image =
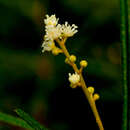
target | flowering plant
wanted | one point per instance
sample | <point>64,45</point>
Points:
<point>58,34</point>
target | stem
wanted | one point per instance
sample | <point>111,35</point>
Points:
<point>128,62</point>
<point>125,62</point>
<point>92,104</point>
<point>84,87</point>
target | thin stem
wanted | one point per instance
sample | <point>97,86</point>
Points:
<point>92,104</point>
<point>84,87</point>
<point>128,60</point>
<point>123,6</point>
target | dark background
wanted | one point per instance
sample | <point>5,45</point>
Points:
<point>38,83</point>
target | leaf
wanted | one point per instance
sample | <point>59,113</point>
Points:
<point>33,123</point>
<point>13,121</point>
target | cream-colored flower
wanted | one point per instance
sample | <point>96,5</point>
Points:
<point>51,20</point>
<point>74,78</point>
<point>48,45</point>
<point>53,32</point>
<point>69,31</point>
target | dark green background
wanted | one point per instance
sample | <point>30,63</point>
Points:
<point>38,83</point>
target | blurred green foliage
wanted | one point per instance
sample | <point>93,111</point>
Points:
<point>33,123</point>
<point>13,121</point>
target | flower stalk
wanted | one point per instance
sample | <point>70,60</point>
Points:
<point>56,33</point>
<point>84,88</point>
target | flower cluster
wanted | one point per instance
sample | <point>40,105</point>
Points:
<point>55,31</point>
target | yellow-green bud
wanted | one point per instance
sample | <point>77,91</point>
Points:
<point>56,51</point>
<point>96,96</point>
<point>83,63</point>
<point>67,61</point>
<point>91,90</point>
<point>73,85</point>
<point>72,58</point>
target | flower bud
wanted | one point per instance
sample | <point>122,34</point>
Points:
<point>56,51</point>
<point>83,63</point>
<point>96,96</point>
<point>72,58</point>
<point>91,90</point>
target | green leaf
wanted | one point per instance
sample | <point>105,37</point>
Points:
<point>33,123</point>
<point>13,121</point>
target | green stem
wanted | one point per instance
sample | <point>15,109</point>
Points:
<point>128,60</point>
<point>124,43</point>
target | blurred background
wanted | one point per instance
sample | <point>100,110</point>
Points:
<point>38,83</point>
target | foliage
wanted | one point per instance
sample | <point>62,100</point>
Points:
<point>14,121</point>
<point>25,122</point>
<point>34,124</point>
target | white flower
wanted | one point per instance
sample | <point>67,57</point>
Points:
<point>53,32</point>
<point>68,30</point>
<point>51,20</point>
<point>48,45</point>
<point>74,78</point>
